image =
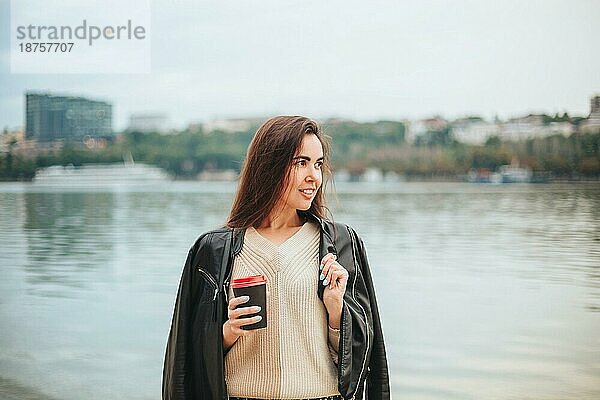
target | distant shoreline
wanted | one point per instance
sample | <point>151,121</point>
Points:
<point>439,179</point>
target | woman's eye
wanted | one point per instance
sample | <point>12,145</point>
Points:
<point>304,163</point>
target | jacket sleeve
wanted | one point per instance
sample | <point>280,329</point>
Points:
<point>176,384</point>
<point>378,385</point>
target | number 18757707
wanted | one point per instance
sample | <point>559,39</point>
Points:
<point>47,47</point>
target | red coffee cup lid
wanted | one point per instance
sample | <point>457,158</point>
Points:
<point>249,281</point>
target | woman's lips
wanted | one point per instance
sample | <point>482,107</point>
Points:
<point>308,193</point>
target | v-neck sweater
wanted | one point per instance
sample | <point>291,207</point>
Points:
<point>293,357</point>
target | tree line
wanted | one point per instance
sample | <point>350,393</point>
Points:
<point>355,147</point>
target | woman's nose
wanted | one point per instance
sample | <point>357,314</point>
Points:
<point>313,173</point>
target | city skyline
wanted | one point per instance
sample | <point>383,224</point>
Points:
<point>159,122</point>
<point>359,61</point>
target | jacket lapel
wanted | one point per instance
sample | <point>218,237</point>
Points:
<point>326,245</point>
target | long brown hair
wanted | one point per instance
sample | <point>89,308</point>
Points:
<point>264,175</point>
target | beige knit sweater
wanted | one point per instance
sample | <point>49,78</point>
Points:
<point>293,357</point>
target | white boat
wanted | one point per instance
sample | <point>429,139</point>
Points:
<point>513,174</point>
<point>510,173</point>
<point>100,175</point>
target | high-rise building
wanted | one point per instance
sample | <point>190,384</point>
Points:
<point>595,106</point>
<point>68,118</point>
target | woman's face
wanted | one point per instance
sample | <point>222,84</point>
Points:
<point>305,175</point>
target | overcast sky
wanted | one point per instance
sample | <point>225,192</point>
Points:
<point>365,60</point>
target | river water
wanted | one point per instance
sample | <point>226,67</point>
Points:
<point>485,291</point>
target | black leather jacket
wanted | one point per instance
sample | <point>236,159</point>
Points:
<point>194,358</point>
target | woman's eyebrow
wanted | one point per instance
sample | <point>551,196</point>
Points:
<point>307,158</point>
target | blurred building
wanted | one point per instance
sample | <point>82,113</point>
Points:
<point>148,122</point>
<point>474,131</point>
<point>521,128</point>
<point>66,118</point>
<point>532,126</point>
<point>14,141</point>
<point>420,127</point>
<point>592,124</point>
<point>10,139</point>
<point>232,125</point>
<point>595,105</point>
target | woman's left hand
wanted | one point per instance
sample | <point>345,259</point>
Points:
<point>335,278</point>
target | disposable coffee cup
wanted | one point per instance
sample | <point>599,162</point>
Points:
<point>256,288</point>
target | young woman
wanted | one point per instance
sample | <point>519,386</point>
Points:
<point>323,338</point>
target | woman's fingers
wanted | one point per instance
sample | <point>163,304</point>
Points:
<point>332,271</point>
<point>236,301</point>
<point>238,312</point>
<point>338,276</point>
<point>329,268</point>
<point>235,315</point>
<point>326,258</point>
<point>236,325</point>
<point>330,277</point>
<point>325,266</point>
<point>236,328</point>
<point>234,311</point>
<point>238,322</point>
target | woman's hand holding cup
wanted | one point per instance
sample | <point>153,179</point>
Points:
<point>232,328</point>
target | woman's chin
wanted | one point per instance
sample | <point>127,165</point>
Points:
<point>305,207</point>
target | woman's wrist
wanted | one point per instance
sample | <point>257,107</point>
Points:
<point>334,322</point>
<point>229,338</point>
<point>334,314</point>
